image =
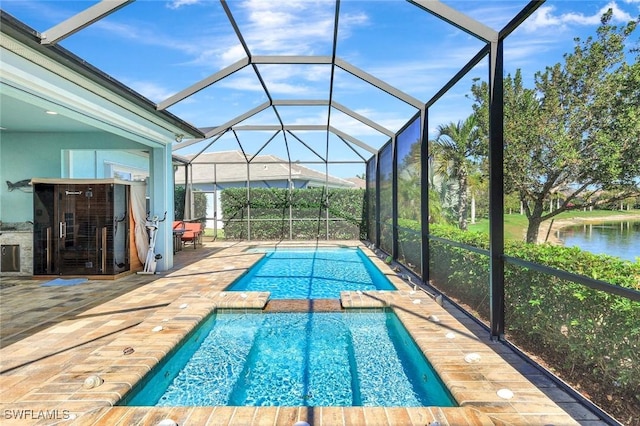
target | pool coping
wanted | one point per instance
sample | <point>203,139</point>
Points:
<point>474,382</point>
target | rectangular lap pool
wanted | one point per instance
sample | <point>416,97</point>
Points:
<point>312,274</point>
<point>295,359</point>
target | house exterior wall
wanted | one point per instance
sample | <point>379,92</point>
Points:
<point>122,121</point>
<point>99,164</point>
<point>29,155</point>
<point>23,156</point>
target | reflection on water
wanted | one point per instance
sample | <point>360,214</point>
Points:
<point>621,239</point>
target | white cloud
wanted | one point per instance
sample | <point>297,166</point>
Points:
<point>150,90</point>
<point>545,17</point>
<point>287,27</point>
<point>302,76</point>
<point>282,80</point>
<point>345,123</point>
<point>423,78</point>
<point>247,83</point>
<point>269,28</point>
<point>176,4</point>
<point>521,51</point>
<point>213,54</point>
<point>290,27</point>
<point>350,21</point>
<point>619,15</point>
<point>228,56</point>
<point>121,30</point>
<point>148,36</point>
<point>494,15</point>
<point>390,120</point>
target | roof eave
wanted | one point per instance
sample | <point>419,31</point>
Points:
<point>31,38</point>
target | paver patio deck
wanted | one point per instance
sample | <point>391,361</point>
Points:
<point>53,338</point>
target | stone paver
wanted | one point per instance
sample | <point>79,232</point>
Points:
<point>120,330</point>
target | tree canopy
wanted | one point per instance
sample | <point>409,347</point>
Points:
<point>455,148</point>
<point>577,133</point>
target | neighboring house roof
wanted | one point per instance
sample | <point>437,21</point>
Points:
<point>231,167</point>
<point>358,182</point>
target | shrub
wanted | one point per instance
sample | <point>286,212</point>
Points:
<point>269,209</point>
<point>574,326</point>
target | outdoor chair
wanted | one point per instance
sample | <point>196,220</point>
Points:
<point>178,232</point>
<point>192,234</point>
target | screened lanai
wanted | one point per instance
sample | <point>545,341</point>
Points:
<point>330,114</point>
<point>314,92</point>
<point>332,90</point>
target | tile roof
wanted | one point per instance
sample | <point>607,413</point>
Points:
<point>230,166</point>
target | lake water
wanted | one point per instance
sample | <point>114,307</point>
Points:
<point>621,239</point>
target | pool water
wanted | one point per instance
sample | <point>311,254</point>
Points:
<point>312,274</point>
<point>295,359</point>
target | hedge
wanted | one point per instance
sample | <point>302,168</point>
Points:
<point>574,326</point>
<point>271,208</point>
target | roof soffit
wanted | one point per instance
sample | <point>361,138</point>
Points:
<point>25,78</point>
<point>57,66</point>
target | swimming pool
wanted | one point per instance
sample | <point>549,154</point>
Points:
<point>312,273</point>
<point>295,359</point>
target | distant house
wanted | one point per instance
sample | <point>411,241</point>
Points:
<point>358,182</point>
<point>213,172</point>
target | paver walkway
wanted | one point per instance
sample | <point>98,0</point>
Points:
<point>53,338</point>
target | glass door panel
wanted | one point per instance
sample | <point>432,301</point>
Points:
<point>75,232</point>
<point>45,219</point>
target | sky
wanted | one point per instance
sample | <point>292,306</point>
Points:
<point>159,48</point>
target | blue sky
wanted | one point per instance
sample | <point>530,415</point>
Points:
<point>161,47</point>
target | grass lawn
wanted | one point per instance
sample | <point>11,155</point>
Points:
<point>515,225</point>
<point>208,232</point>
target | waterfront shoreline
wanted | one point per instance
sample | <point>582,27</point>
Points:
<point>557,225</point>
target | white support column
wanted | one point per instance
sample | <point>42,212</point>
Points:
<point>161,193</point>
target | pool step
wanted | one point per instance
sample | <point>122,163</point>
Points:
<point>303,305</point>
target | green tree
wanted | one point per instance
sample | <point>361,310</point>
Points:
<point>409,183</point>
<point>577,133</point>
<point>455,148</point>
<point>438,194</point>
<point>479,191</point>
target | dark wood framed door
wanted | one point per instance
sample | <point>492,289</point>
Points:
<point>81,229</point>
<point>85,224</point>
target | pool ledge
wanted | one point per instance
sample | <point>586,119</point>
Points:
<point>122,345</point>
<point>475,374</point>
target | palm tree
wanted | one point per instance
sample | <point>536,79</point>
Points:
<point>455,147</point>
<point>440,191</point>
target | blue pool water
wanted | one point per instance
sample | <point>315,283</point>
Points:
<point>295,359</point>
<point>312,274</point>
